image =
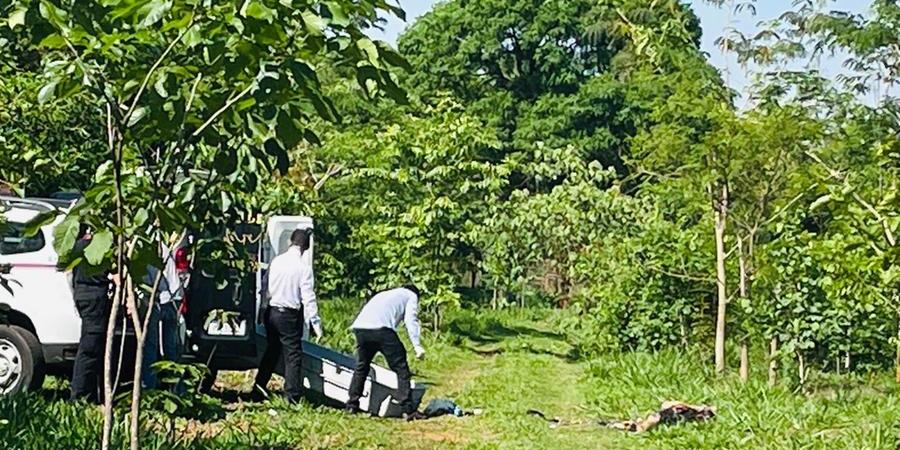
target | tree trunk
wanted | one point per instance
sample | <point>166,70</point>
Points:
<point>116,150</point>
<point>773,361</point>
<point>107,368</point>
<point>141,332</point>
<point>742,286</point>
<point>721,214</point>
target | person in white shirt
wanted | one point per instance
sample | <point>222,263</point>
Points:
<point>291,297</point>
<point>375,330</point>
<point>164,317</point>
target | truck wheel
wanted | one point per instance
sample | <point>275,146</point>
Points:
<point>21,360</point>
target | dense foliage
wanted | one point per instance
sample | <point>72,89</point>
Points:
<point>578,154</point>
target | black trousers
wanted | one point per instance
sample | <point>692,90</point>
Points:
<point>284,332</point>
<point>87,374</point>
<point>386,341</point>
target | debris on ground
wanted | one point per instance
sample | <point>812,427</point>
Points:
<point>445,407</point>
<point>670,413</point>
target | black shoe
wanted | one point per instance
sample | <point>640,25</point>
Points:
<point>415,415</point>
<point>352,409</point>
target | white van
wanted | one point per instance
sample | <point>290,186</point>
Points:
<point>40,327</point>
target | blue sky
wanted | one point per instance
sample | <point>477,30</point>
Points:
<point>714,20</point>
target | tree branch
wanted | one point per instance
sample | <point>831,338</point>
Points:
<point>221,110</point>
<point>886,227</point>
<point>333,170</point>
<point>153,68</point>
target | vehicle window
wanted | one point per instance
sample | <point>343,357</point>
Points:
<point>14,240</point>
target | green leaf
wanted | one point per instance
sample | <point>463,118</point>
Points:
<point>99,246</point>
<point>178,24</point>
<point>364,74</point>
<point>311,137</point>
<point>192,37</point>
<point>169,406</point>
<point>392,57</point>
<point>314,23</point>
<point>53,41</point>
<point>160,85</point>
<point>369,49</point>
<point>35,224</point>
<point>17,17</point>
<point>58,17</point>
<point>257,10</point>
<point>287,131</point>
<point>137,115</point>
<point>186,190</point>
<point>141,217</point>
<point>65,234</point>
<point>47,92</point>
<point>153,12</point>
<point>338,15</point>
<point>304,75</point>
<point>393,91</point>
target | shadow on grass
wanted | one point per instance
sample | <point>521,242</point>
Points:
<point>492,331</point>
<point>490,337</point>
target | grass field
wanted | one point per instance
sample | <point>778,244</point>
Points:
<point>506,364</point>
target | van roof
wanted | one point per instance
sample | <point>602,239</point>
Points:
<point>20,215</point>
<point>37,203</point>
<point>19,209</point>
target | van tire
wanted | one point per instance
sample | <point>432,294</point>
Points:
<point>29,349</point>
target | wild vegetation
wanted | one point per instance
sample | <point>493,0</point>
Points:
<point>582,156</point>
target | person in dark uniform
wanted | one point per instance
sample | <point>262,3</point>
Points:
<point>90,290</point>
<point>292,297</point>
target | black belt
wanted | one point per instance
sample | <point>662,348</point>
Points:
<point>285,309</point>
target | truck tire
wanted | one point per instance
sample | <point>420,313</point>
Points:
<point>21,360</point>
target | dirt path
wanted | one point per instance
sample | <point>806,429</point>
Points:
<point>526,370</point>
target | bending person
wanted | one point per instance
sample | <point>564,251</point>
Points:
<point>375,331</point>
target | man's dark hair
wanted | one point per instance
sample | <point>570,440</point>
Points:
<point>301,238</point>
<point>412,287</point>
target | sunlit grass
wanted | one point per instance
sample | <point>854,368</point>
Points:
<point>508,363</point>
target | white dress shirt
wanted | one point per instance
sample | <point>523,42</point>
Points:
<point>387,308</point>
<point>291,285</point>
<point>173,289</point>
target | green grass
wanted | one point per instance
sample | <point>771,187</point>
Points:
<point>508,363</point>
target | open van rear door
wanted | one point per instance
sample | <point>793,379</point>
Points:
<point>276,240</point>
